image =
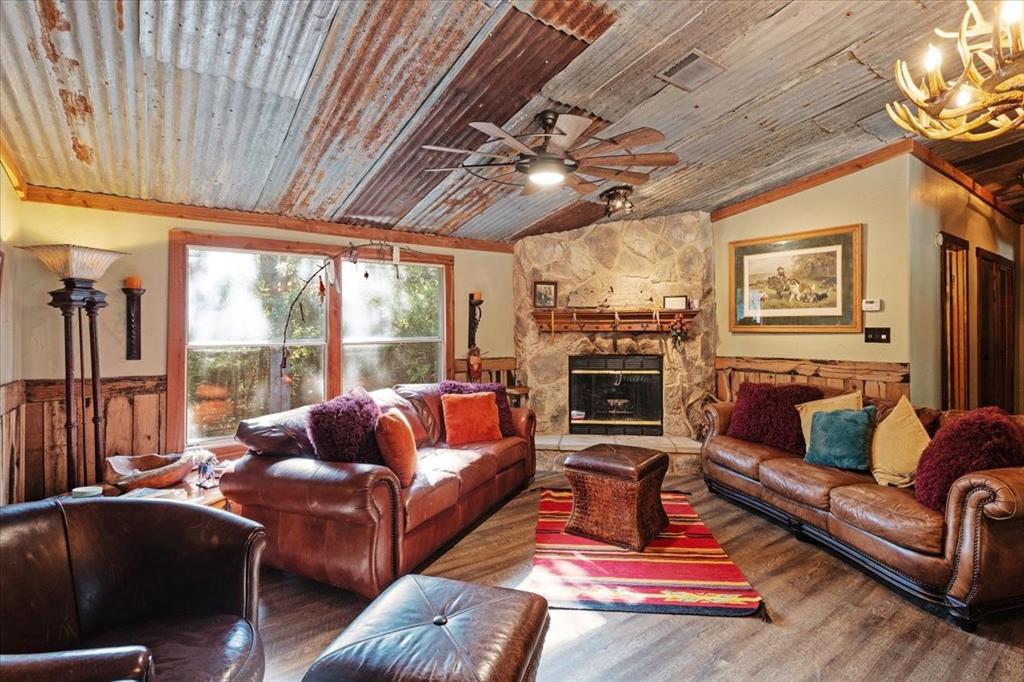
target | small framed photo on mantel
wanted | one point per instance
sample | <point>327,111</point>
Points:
<point>675,302</point>
<point>545,294</point>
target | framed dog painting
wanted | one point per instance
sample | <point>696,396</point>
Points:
<point>801,282</point>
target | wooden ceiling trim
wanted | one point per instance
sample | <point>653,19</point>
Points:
<point>108,202</point>
<point>814,179</point>
<point>10,167</point>
<point>939,164</point>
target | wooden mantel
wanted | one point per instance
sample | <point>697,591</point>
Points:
<point>643,320</point>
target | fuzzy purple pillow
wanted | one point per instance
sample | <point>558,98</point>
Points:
<point>342,429</point>
<point>505,421</point>
<point>766,413</point>
<point>985,438</point>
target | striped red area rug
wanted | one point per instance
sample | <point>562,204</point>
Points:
<point>683,571</point>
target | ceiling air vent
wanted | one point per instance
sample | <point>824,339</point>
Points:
<point>692,71</point>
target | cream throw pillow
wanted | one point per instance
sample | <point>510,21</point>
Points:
<point>847,401</point>
<point>897,446</point>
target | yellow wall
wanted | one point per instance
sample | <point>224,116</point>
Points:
<point>875,197</point>
<point>145,238</point>
<point>937,204</point>
<point>10,219</point>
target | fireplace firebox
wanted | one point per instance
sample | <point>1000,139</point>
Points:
<point>615,395</point>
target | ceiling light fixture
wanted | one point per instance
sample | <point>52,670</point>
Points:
<point>987,98</point>
<point>617,199</point>
<point>546,169</point>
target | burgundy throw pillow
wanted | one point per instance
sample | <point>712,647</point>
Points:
<point>342,429</point>
<point>766,414</point>
<point>505,421</point>
<point>986,438</point>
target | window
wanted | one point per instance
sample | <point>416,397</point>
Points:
<point>393,327</point>
<point>237,305</point>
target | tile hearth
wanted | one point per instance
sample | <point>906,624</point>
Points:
<point>552,449</point>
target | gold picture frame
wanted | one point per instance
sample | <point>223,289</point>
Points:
<point>803,282</point>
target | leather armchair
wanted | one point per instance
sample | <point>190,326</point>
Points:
<point>117,588</point>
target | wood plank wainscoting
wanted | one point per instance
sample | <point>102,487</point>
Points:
<point>33,461</point>
<point>876,379</point>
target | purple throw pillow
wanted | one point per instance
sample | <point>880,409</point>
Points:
<point>342,429</point>
<point>766,414</point>
<point>505,421</point>
<point>985,438</point>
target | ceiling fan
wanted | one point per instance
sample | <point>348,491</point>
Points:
<point>548,157</point>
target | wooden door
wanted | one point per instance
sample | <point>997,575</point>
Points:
<point>955,305</point>
<point>997,307</point>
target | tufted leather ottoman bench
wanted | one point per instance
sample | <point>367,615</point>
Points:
<point>424,628</point>
<point>616,494</point>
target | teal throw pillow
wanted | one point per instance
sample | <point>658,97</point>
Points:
<point>842,439</point>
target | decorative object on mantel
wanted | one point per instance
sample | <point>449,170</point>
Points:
<point>987,98</point>
<point>605,320</point>
<point>679,330</point>
<point>617,199</point>
<point>128,472</point>
<point>675,303</point>
<point>801,282</point>
<point>545,295</point>
<point>133,292</point>
<point>476,313</point>
<point>78,267</point>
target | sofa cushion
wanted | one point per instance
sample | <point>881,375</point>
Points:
<point>341,429</point>
<point>194,648</point>
<point>431,492</point>
<point>389,398</point>
<point>426,400</point>
<point>890,513</point>
<point>505,421</point>
<point>282,434</point>
<point>845,401</point>
<point>507,452</point>
<point>805,483</point>
<point>742,456</point>
<point>897,445</point>
<point>397,445</point>
<point>842,439</point>
<point>766,413</point>
<point>474,468</point>
<point>470,417</point>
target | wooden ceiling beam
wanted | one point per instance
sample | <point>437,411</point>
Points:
<point>939,164</point>
<point>109,202</point>
<point>12,170</point>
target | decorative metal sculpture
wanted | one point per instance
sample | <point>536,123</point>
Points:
<point>987,99</point>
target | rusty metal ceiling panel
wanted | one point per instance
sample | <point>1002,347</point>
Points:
<point>584,19</point>
<point>577,214</point>
<point>519,55</point>
<point>381,63</point>
<point>110,97</point>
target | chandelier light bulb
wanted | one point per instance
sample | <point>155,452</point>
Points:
<point>963,97</point>
<point>932,58</point>
<point>1011,11</point>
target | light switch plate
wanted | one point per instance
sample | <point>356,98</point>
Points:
<point>877,335</point>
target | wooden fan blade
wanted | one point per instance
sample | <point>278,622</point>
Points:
<point>634,138</point>
<point>570,127</point>
<point>453,150</point>
<point>499,134</point>
<point>628,177</point>
<point>651,159</point>
<point>579,184</point>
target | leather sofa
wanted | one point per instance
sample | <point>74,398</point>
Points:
<point>352,525</point>
<point>112,589</point>
<point>966,560</point>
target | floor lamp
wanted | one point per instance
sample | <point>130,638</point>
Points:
<point>79,267</point>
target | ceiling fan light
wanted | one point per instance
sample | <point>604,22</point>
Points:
<point>546,178</point>
<point>546,171</point>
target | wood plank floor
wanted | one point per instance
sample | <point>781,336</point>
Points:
<point>829,620</point>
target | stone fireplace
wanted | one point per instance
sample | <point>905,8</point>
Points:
<point>625,264</point>
<point>615,395</point>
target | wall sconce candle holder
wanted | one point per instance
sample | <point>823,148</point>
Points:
<point>133,323</point>
<point>476,302</point>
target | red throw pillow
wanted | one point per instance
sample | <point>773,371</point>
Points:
<point>470,417</point>
<point>766,413</point>
<point>985,438</point>
<point>397,445</point>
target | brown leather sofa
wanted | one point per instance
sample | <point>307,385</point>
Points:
<point>353,525</point>
<point>109,589</point>
<point>967,560</point>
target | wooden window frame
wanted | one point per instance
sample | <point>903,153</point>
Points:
<point>177,313</point>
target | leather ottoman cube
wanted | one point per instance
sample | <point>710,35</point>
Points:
<point>616,494</point>
<point>425,628</point>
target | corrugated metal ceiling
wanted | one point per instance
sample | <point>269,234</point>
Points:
<point>318,108</point>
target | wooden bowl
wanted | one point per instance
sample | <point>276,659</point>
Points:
<point>129,472</point>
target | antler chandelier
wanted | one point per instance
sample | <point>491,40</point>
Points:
<point>987,98</point>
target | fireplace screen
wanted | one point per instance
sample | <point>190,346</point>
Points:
<point>615,394</point>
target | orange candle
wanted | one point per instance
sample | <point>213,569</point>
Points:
<point>133,282</point>
<point>478,296</point>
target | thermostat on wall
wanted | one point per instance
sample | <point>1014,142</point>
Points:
<point>871,305</point>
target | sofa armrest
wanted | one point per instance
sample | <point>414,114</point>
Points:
<point>526,427</point>
<point>985,536</point>
<point>718,416</point>
<point>80,665</point>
